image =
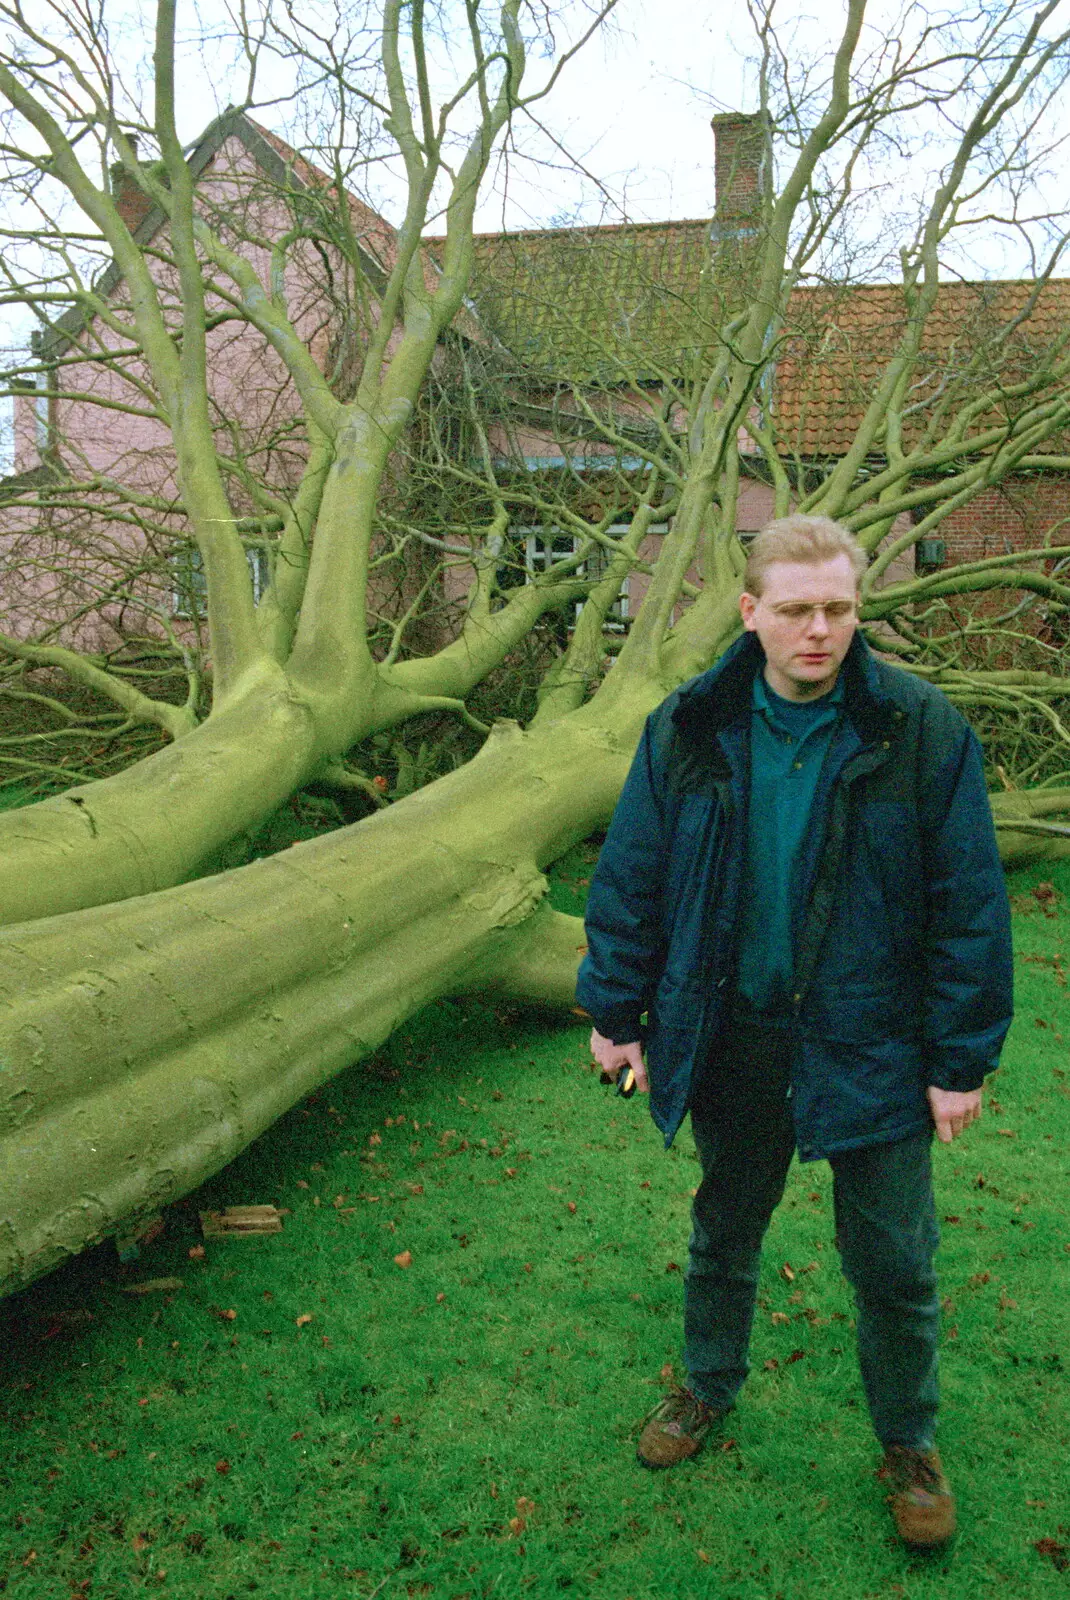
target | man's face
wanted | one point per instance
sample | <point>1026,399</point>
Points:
<point>805,619</point>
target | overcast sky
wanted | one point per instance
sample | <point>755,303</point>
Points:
<point>634,107</point>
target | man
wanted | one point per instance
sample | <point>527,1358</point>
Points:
<point>800,890</point>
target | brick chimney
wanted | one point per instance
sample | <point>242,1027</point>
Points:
<point>742,172</point>
<point>131,201</point>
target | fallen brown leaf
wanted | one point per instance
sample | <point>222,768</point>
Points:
<point>1052,1551</point>
<point>304,1319</point>
<point>404,1259</point>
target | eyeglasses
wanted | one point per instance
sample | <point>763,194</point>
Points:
<point>834,612</point>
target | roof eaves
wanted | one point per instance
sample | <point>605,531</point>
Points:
<point>50,471</point>
<point>65,329</point>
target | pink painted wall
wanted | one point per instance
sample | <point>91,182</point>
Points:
<point>104,429</point>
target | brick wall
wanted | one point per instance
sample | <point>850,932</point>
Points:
<point>741,167</point>
<point>1017,515</point>
<point>1020,514</point>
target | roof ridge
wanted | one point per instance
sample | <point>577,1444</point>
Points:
<point>591,227</point>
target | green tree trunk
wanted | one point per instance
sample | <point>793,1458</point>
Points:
<point>145,1043</point>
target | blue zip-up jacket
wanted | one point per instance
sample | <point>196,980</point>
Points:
<point>902,945</point>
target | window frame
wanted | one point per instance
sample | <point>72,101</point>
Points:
<point>194,585</point>
<point>619,618</point>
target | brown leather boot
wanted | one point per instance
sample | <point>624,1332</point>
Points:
<point>921,1499</point>
<point>676,1429</point>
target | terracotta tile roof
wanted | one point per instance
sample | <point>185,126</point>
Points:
<point>607,303</point>
<point>837,343</point>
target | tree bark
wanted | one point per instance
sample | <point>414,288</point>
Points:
<point>146,1043</point>
<point>159,822</point>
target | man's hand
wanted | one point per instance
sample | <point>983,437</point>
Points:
<point>613,1058</point>
<point>953,1112</point>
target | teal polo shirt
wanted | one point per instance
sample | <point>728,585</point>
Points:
<point>789,743</point>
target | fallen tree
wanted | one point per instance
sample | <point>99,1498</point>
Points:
<point>146,1040</point>
<point>288,683</point>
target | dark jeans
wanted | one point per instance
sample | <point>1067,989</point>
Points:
<point>886,1233</point>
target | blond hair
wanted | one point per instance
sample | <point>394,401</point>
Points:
<point>800,538</point>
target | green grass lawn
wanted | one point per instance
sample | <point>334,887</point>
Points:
<point>305,1416</point>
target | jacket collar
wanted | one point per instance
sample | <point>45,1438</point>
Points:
<point>713,701</point>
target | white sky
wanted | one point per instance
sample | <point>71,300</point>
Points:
<point>634,107</point>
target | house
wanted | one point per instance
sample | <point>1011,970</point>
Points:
<point>587,331</point>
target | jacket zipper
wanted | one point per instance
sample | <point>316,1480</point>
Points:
<point>819,909</point>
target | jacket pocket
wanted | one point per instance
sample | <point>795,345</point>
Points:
<point>851,1093</point>
<point>866,1014</point>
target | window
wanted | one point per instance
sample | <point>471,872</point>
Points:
<point>543,547</point>
<point>189,586</point>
